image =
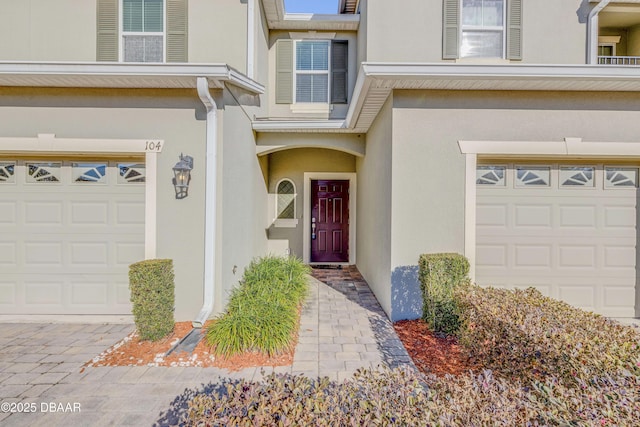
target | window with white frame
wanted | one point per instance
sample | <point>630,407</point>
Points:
<point>312,70</point>
<point>482,29</point>
<point>143,30</point>
<point>286,200</point>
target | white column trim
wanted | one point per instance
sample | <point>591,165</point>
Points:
<point>353,192</point>
<point>150,205</point>
<point>470,213</point>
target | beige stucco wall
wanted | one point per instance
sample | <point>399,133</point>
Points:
<point>65,30</point>
<point>218,32</point>
<point>411,32</point>
<point>292,164</point>
<point>429,170</point>
<point>374,208</point>
<point>633,48</point>
<point>150,114</point>
<point>48,30</point>
<point>338,111</point>
<point>242,202</point>
<point>553,31</point>
<point>622,45</point>
<point>363,31</point>
<point>261,63</point>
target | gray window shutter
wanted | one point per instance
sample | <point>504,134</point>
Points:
<point>514,30</point>
<point>177,40</point>
<point>284,72</point>
<point>450,28</point>
<point>107,30</point>
<point>339,61</point>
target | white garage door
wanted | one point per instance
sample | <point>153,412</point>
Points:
<point>68,231</point>
<point>567,229</point>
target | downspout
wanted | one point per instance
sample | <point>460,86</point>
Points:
<point>211,183</point>
<point>592,35</point>
<point>250,37</point>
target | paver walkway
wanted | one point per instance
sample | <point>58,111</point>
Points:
<point>342,329</point>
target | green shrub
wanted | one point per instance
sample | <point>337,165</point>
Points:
<point>525,335</point>
<point>440,275</point>
<point>153,297</point>
<point>262,312</point>
<point>406,398</point>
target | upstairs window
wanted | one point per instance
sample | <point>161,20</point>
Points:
<point>311,71</point>
<point>143,30</point>
<point>482,29</point>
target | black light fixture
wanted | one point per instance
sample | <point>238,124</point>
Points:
<point>182,176</point>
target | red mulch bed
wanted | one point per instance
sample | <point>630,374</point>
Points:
<point>432,354</point>
<point>132,351</point>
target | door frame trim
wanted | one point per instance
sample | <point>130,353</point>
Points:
<point>306,238</point>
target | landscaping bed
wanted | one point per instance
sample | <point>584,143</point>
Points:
<point>132,351</point>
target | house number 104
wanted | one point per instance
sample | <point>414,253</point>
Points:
<point>155,146</point>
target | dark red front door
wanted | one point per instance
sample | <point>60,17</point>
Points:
<point>329,221</point>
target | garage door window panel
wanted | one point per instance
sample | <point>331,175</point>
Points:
<point>619,177</point>
<point>533,176</point>
<point>7,172</point>
<point>491,176</point>
<point>577,176</point>
<point>44,172</point>
<point>131,173</point>
<point>95,173</point>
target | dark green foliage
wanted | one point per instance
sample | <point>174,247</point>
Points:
<point>551,364</point>
<point>440,275</point>
<point>153,297</point>
<point>406,398</point>
<point>523,334</point>
<point>262,312</point>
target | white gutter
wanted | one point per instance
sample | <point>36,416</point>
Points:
<point>211,183</point>
<point>123,75</point>
<point>250,37</point>
<point>592,34</point>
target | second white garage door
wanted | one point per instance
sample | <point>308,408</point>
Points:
<point>68,231</point>
<point>566,229</point>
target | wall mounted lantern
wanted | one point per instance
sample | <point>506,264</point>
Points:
<point>182,176</point>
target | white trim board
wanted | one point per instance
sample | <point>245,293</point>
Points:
<point>306,226</point>
<point>569,147</point>
<point>49,144</point>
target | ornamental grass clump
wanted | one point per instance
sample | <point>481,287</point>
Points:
<point>262,312</point>
<point>525,335</point>
<point>440,275</point>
